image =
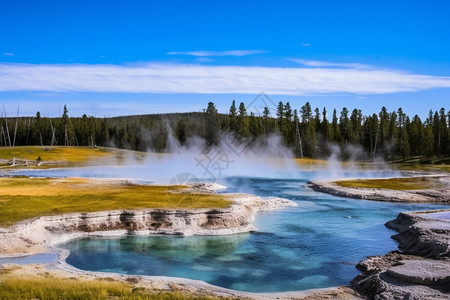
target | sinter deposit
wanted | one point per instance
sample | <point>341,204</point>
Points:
<point>36,235</point>
<point>436,195</point>
<point>421,270</point>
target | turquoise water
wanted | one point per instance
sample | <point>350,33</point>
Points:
<point>314,245</point>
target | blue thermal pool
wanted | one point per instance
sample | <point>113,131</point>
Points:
<point>314,245</point>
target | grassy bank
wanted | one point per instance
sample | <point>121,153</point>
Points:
<point>58,156</point>
<point>311,162</point>
<point>49,287</point>
<point>57,153</point>
<point>415,183</point>
<point>23,197</point>
<point>420,163</point>
<point>422,167</point>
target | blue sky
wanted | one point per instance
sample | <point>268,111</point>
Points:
<point>108,58</point>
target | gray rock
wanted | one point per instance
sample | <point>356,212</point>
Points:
<point>422,271</point>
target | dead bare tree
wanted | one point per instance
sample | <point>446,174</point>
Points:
<point>15,128</point>
<point>3,137</point>
<point>7,129</point>
<point>53,134</point>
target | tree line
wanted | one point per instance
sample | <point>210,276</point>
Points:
<point>308,132</point>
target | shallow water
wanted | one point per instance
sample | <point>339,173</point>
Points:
<point>314,245</point>
<point>163,173</point>
<point>44,258</point>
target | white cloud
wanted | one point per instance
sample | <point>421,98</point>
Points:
<point>315,63</point>
<point>219,53</point>
<point>306,44</point>
<point>8,54</point>
<point>204,59</point>
<point>203,79</point>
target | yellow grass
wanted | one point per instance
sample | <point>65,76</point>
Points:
<point>58,156</point>
<point>23,198</point>
<point>423,167</point>
<point>311,162</point>
<point>416,183</point>
<point>47,153</point>
<point>64,288</point>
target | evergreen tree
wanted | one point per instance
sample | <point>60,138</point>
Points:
<point>266,116</point>
<point>288,112</point>
<point>287,129</point>
<point>428,141</point>
<point>67,132</point>
<point>444,139</point>
<point>355,126</point>
<point>406,150</point>
<point>344,125</point>
<point>243,122</point>
<point>306,113</point>
<point>371,132</point>
<point>212,125</point>
<point>415,136</point>
<point>384,128</point>
<point>404,143</point>
<point>326,130</point>
<point>336,130</point>
<point>280,116</point>
<point>308,131</point>
<point>266,112</point>
<point>392,135</point>
<point>232,115</point>
<point>255,126</point>
<point>317,119</point>
<point>436,130</point>
<point>180,132</point>
<point>298,138</point>
<point>402,132</point>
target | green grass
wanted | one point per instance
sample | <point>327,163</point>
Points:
<point>23,198</point>
<point>61,288</point>
<point>415,183</point>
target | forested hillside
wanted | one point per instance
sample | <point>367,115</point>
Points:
<point>308,132</point>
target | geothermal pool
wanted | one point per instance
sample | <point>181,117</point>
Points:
<point>314,245</point>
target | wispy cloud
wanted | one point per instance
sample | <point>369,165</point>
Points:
<point>204,59</point>
<point>306,44</point>
<point>219,53</point>
<point>8,54</point>
<point>203,79</point>
<point>325,64</point>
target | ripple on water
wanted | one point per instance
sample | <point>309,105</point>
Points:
<point>314,245</point>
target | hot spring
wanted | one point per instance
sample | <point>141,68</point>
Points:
<point>314,245</point>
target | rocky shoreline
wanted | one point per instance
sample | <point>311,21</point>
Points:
<point>421,270</point>
<point>419,196</point>
<point>38,234</point>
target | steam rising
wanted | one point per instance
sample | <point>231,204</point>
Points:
<point>265,157</point>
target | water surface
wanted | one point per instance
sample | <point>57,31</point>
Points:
<point>314,245</point>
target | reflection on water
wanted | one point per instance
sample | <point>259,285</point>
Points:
<point>163,173</point>
<point>314,245</point>
<point>44,258</point>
